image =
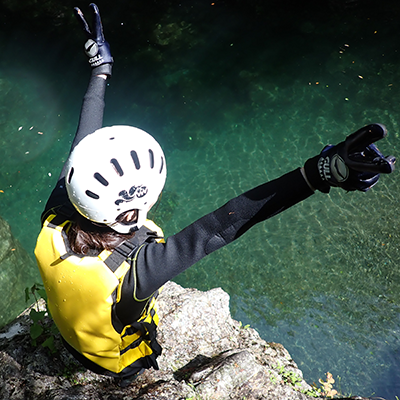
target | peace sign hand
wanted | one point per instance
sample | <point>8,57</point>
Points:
<point>96,47</point>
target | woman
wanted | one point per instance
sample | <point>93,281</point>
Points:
<point>102,262</point>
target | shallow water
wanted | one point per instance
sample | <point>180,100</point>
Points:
<point>236,101</point>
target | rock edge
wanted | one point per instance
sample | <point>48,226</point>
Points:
<point>206,355</point>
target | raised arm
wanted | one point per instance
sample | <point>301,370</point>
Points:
<point>91,117</point>
<point>99,56</point>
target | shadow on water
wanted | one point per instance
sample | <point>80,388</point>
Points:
<point>237,93</point>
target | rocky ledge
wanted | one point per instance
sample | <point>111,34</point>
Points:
<point>206,355</point>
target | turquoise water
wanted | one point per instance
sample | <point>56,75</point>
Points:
<point>237,99</point>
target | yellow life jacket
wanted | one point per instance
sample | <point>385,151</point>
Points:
<point>82,294</point>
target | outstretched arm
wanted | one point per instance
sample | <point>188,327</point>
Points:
<point>354,164</point>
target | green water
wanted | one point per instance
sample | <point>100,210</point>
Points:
<point>236,100</point>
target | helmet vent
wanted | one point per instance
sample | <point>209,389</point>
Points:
<point>135,159</point>
<point>151,154</point>
<point>162,164</point>
<point>101,179</point>
<point>117,167</point>
<point>71,172</point>
<point>92,195</point>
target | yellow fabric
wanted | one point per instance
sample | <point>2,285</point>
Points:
<point>79,291</point>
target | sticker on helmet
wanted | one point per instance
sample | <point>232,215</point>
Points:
<point>134,192</point>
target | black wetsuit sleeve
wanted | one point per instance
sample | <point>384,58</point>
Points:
<point>92,110</point>
<point>158,263</point>
<point>91,119</point>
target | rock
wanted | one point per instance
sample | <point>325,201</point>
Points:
<point>206,355</point>
<point>216,355</point>
<point>15,267</point>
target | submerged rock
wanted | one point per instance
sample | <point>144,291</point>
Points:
<point>206,355</point>
<point>15,264</point>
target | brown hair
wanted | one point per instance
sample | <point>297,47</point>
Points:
<point>86,237</point>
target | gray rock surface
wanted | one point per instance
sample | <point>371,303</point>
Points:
<point>206,355</point>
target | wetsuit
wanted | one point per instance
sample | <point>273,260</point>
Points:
<point>157,263</point>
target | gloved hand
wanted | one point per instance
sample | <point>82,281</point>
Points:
<point>96,47</point>
<point>354,164</point>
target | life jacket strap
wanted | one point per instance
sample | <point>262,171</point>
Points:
<point>129,247</point>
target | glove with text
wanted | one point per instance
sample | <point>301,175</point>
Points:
<point>96,47</point>
<point>354,164</point>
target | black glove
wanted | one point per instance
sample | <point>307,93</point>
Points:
<point>96,48</point>
<point>354,164</point>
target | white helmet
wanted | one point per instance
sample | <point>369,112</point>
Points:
<point>114,170</point>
